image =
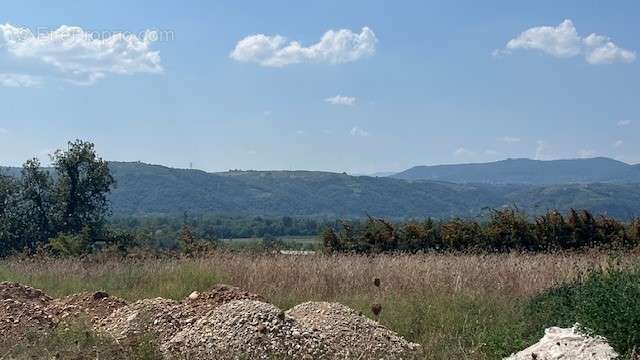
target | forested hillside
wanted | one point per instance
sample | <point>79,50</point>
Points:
<point>143,190</point>
<point>527,171</point>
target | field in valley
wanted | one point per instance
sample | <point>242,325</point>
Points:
<point>455,306</point>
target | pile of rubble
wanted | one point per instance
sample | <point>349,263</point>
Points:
<point>203,302</point>
<point>23,293</point>
<point>351,335</point>
<point>95,306</point>
<point>247,329</point>
<point>19,319</point>
<point>159,318</point>
<point>224,322</point>
<point>23,311</point>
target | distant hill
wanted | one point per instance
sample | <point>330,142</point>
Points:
<point>144,190</point>
<point>526,171</point>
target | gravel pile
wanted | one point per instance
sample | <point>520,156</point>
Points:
<point>23,293</point>
<point>247,329</point>
<point>19,319</point>
<point>351,335</point>
<point>203,302</point>
<point>96,306</point>
<point>158,317</point>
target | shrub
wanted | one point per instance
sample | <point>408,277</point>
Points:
<point>71,245</point>
<point>606,303</point>
<point>509,229</point>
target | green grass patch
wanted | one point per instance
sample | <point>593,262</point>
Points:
<point>606,303</point>
<point>77,340</point>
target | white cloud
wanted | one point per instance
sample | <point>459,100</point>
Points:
<point>511,139</point>
<point>20,80</point>
<point>357,131</point>
<point>563,41</point>
<point>81,55</point>
<point>586,153</point>
<point>601,50</point>
<point>335,47</point>
<point>341,100</point>
<point>618,144</point>
<point>622,123</point>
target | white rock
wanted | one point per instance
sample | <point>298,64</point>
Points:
<point>567,344</point>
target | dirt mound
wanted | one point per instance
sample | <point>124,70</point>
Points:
<point>351,335</point>
<point>18,319</point>
<point>160,318</point>
<point>567,344</point>
<point>23,293</point>
<point>247,329</point>
<point>204,302</point>
<point>96,306</point>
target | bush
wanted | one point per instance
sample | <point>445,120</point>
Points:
<point>606,303</point>
<point>71,245</point>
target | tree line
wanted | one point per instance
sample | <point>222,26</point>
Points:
<point>505,230</point>
<point>163,232</point>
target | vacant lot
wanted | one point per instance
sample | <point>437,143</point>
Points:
<point>456,306</point>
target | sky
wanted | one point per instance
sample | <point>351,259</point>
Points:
<point>353,86</point>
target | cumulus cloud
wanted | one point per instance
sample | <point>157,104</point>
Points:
<point>511,139</point>
<point>20,80</point>
<point>357,131</point>
<point>335,47</point>
<point>81,55</point>
<point>622,123</point>
<point>563,41</point>
<point>341,100</point>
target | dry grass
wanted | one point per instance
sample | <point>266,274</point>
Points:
<point>457,306</point>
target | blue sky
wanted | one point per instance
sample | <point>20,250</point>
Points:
<point>393,86</point>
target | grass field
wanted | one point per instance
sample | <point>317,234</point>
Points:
<point>456,306</point>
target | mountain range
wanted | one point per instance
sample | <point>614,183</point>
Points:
<point>154,190</point>
<point>526,171</point>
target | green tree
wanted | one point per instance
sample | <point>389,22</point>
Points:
<point>330,241</point>
<point>36,204</point>
<point>9,218</point>
<point>83,183</point>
